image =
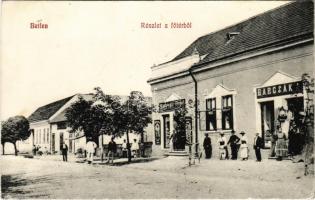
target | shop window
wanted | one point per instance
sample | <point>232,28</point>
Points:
<point>61,125</point>
<point>36,137</point>
<point>211,120</point>
<point>227,112</point>
<point>47,135</point>
<point>44,136</point>
<point>39,139</point>
<point>47,138</point>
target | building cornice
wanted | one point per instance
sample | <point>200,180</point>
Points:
<point>38,123</point>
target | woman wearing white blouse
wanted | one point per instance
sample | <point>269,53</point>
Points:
<point>244,146</point>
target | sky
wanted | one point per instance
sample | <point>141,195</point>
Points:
<point>90,44</point>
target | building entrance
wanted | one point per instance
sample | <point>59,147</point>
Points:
<point>176,139</point>
<point>180,136</point>
<point>296,134</point>
<point>166,130</point>
<point>267,121</point>
<point>295,105</point>
<point>53,142</point>
<point>60,141</point>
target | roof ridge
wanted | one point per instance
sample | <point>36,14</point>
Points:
<point>234,25</point>
<point>58,100</point>
<point>247,19</point>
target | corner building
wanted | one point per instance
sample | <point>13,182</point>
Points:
<point>240,76</point>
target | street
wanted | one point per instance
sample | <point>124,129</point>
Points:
<point>164,178</point>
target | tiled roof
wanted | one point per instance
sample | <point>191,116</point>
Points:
<point>45,112</point>
<point>61,117</point>
<point>281,24</point>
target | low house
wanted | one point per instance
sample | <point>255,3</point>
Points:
<point>49,128</point>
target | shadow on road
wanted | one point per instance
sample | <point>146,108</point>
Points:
<point>12,186</point>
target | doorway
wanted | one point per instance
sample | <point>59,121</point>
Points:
<point>180,136</point>
<point>295,105</point>
<point>267,121</point>
<point>61,141</point>
<point>166,130</point>
<point>295,134</point>
<point>53,142</point>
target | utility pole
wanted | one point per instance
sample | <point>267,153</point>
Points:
<point>127,134</point>
<point>196,113</point>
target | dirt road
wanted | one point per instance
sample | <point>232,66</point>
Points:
<point>164,178</point>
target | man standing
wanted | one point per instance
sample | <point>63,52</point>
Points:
<point>90,149</point>
<point>112,148</point>
<point>135,148</point>
<point>233,144</point>
<point>34,150</point>
<point>258,143</point>
<point>64,150</point>
<point>207,146</point>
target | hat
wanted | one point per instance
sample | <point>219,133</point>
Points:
<point>221,133</point>
<point>302,113</point>
<point>233,131</point>
<point>242,132</point>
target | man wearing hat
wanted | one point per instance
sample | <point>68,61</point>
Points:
<point>112,148</point>
<point>258,144</point>
<point>233,144</point>
<point>207,146</point>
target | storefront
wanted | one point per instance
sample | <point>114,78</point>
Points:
<point>167,132</point>
<point>281,92</point>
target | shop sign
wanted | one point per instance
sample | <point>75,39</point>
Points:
<point>171,105</point>
<point>281,89</point>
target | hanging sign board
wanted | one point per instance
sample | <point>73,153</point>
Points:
<point>281,89</point>
<point>171,105</point>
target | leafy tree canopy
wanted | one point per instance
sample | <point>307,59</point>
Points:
<point>138,112</point>
<point>93,117</point>
<point>14,129</point>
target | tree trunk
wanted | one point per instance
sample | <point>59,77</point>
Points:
<point>128,147</point>
<point>15,150</point>
<point>142,145</point>
<point>3,148</point>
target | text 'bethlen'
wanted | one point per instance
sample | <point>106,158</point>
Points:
<point>38,25</point>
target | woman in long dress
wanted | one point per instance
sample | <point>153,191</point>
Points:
<point>244,146</point>
<point>281,145</point>
<point>222,146</point>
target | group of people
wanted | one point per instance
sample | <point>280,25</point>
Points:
<point>112,150</point>
<point>236,144</point>
<point>38,150</point>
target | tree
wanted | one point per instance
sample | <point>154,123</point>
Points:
<point>93,117</point>
<point>105,114</point>
<point>14,129</point>
<point>180,127</point>
<point>137,115</point>
<point>308,122</point>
